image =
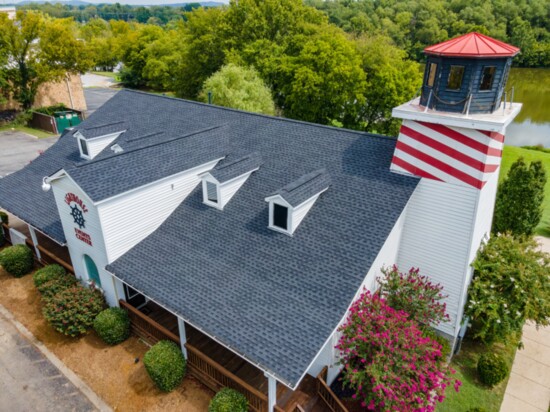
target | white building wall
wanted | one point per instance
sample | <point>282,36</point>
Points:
<point>437,238</point>
<point>78,248</point>
<point>386,257</point>
<point>96,146</point>
<point>228,189</point>
<point>131,217</point>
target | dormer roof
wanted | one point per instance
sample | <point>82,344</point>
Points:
<point>304,188</point>
<point>100,130</point>
<point>235,166</point>
<point>474,45</point>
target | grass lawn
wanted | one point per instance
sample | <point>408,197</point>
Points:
<point>511,154</point>
<point>112,75</point>
<point>472,392</point>
<point>33,132</point>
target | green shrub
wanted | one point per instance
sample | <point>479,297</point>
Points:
<point>47,273</point>
<point>4,218</point>
<point>228,400</point>
<point>165,365</point>
<point>445,344</point>
<point>477,409</point>
<point>50,110</point>
<point>72,311</point>
<point>52,287</point>
<point>112,325</point>
<point>17,260</point>
<point>492,369</point>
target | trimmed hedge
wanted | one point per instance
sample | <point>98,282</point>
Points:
<point>73,310</point>
<point>112,325</point>
<point>48,273</point>
<point>4,218</point>
<point>228,400</point>
<point>165,365</point>
<point>17,260</point>
<point>492,368</point>
<point>55,285</point>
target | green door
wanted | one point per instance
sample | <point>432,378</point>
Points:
<point>92,271</point>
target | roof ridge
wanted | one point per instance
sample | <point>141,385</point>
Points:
<point>79,165</point>
<point>133,139</point>
<point>315,174</point>
<point>103,125</point>
<point>282,119</point>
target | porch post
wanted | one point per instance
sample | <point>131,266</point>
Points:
<point>183,336</point>
<point>271,392</point>
<point>35,242</point>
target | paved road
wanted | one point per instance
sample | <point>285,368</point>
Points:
<point>19,149</point>
<point>96,97</point>
<point>29,381</point>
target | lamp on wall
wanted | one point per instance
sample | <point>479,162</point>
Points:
<point>46,186</point>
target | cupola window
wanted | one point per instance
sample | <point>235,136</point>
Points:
<point>456,74</point>
<point>487,78</point>
<point>84,148</point>
<point>212,192</point>
<point>430,80</point>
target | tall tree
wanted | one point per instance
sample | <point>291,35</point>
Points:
<point>392,80</point>
<point>518,207</point>
<point>239,88</point>
<point>40,50</point>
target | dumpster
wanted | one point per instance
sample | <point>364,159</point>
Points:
<point>65,119</point>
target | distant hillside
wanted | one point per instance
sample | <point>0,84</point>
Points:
<point>77,3</point>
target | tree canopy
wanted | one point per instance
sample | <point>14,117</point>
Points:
<point>238,88</point>
<point>39,49</point>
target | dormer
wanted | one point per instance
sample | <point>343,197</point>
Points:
<point>290,205</point>
<point>92,140</point>
<point>220,184</point>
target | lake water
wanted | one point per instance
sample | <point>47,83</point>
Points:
<point>532,125</point>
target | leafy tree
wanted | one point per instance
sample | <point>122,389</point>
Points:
<point>239,88</point>
<point>518,206</point>
<point>511,284</point>
<point>388,361</point>
<point>392,80</point>
<point>40,50</point>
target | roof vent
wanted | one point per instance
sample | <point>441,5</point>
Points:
<point>290,205</point>
<point>220,184</point>
<point>116,148</point>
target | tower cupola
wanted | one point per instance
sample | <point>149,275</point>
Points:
<point>466,74</point>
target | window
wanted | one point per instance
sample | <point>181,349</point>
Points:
<point>487,78</point>
<point>212,192</point>
<point>455,78</point>
<point>280,216</point>
<point>84,147</point>
<point>431,75</point>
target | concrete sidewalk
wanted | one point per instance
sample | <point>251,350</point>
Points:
<point>528,389</point>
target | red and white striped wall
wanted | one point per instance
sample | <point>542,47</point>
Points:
<point>450,154</point>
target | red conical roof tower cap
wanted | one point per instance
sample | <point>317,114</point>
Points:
<point>475,45</point>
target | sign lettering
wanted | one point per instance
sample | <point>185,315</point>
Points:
<point>83,236</point>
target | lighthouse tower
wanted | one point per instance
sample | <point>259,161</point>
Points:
<point>452,137</point>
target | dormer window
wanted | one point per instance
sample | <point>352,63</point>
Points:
<point>221,183</point>
<point>84,148</point>
<point>212,192</point>
<point>290,205</point>
<point>280,216</point>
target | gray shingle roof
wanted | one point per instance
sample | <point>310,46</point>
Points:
<point>91,132</point>
<point>233,167</point>
<point>304,188</point>
<point>272,298</point>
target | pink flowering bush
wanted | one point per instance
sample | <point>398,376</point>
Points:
<point>415,294</point>
<point>387,360</point>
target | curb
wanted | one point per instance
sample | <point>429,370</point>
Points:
<point>69,374</point>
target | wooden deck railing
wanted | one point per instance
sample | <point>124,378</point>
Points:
<point>326,394</point>
<point>47,256</point>
<point>145,327</point>
<point>216,377</point>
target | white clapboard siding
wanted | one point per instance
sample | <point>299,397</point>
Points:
<point>96,146</point>
<point>78,248</point>
<point>229,188</point>
<point>300,212</point>
<point>437,237</point>
<point>129,218</point>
